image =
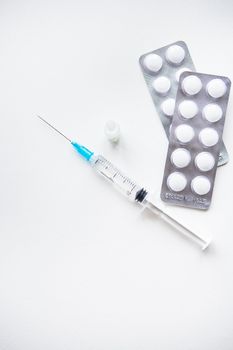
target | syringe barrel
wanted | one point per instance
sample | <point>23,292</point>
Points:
<point>124,184</point>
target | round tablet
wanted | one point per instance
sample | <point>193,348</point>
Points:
<point>212,112</point>
<point>201,185</point>
<point>184,133</point>
<point>153,62</point>
<point>191,85</point>
<point>176,182</point>
<point>216,88</point>
<point>180,157</point>
<point>180,71</point>
<point>204,161</point>
<point>168,107</point>
<point>175,54</point>
<point>208,137</point>
<point>162,85</point>
<point>188,109</point>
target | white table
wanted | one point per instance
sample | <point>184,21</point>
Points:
<point>80,268</point>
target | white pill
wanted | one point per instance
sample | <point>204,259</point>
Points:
<point>191,85</point>
<point>204,161</point>
<point>208,137</point>
<point>216,88</point>
<point>212,112</point>
<point>168,107</point>
<point>153,62</point>
<point>201,185</point>
<point>188,109</point>
<point>162,85</point>
<point>112,130</point>
<point>176,182</point>
<point>175,54</point>
<point>184,133</point>
<point>180,71</point>
<point>180,157</point>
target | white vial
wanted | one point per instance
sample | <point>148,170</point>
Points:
<point>208,137</point>
<point>216,88</point>
<point>188,109</point>
<point>180,71</point>
<point>112,130</point>
<point>181,157</point>
<point>176,182</point>
<point>201,185</point>
<point>162,85</point>
<point>184,133</point>
<point>205,161</point>
<point>168,107</point>
<point>212,112</point>
<point>175,54</point>
<point>153,62</point>
<point>191,85</point>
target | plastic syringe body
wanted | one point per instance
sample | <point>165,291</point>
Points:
<point>121,182</point>
<point>133,191</point>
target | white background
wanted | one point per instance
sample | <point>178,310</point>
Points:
<point>80,267</point>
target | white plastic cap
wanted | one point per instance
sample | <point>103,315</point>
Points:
<point>112,130</point>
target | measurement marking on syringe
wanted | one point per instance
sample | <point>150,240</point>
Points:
<point>132,189</point>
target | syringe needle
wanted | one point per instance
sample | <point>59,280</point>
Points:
<point>83,151</point>
<point>51,126</point>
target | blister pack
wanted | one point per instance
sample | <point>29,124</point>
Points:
<point>161,69</point>
<point>195,139</point>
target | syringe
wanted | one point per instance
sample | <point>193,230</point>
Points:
<point>128,187</point>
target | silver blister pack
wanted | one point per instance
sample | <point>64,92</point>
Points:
<point>161,69</point>
<point>195,139</point>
